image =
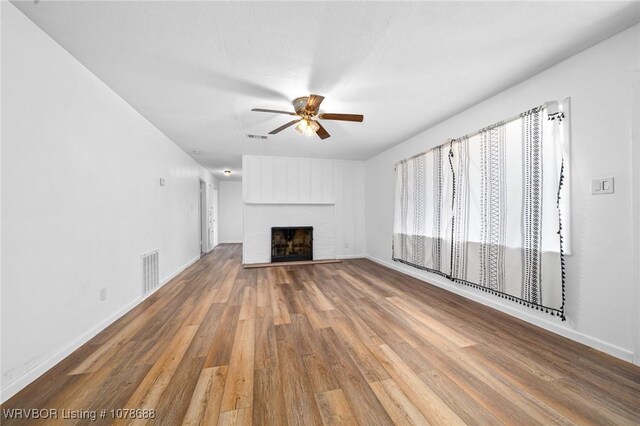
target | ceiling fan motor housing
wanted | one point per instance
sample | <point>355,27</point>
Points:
<point>299,104</point>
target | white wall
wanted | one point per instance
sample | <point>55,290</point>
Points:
<point>81,201</point>
<point>230,212</point>
<point>311,185</point>
<point>600,309</point>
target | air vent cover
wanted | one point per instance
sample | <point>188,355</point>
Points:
<point>252,136</point>
<point>150,272</point>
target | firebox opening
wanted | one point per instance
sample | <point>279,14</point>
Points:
<point>291,243</point>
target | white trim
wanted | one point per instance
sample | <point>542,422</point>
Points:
<point>634,110</point>
<point>175,274</point>
<point>21,382</point>
<point>229,242</point>
<point>351,256</point>
<point>295,203</point>
<point>549,325</point>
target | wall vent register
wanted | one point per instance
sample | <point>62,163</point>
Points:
<point>150,271</point>
<point>252,136</point>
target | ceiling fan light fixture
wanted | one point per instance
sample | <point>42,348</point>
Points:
<point>307,127</point>
<point>227,172</point>
<point>306,109</point>
<point>302,126</point>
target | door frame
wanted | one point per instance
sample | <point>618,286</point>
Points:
<point>202,217</point>
<point>634,111</point>
<point>215,202</point>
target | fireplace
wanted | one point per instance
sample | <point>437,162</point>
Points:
<point>291,243</point>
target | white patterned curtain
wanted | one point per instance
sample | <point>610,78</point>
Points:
<point>484,210</point>
<point>423,220</point>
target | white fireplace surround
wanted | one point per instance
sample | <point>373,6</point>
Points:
<point>259,218</point>
<point>325,194</point>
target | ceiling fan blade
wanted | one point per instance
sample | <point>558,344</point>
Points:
<point>322,132</point>
<point>313,103</point>
<point>342,117</point>
<point>275,111</point>
<point>284,126</point>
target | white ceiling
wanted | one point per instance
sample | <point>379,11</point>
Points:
<point>195,69</point>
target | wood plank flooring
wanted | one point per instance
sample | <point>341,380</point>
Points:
<point>342,343</point>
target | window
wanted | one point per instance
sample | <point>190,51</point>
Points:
<point>487,209</point>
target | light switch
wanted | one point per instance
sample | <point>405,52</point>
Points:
<point>602,186</point>
<point>162,182</point>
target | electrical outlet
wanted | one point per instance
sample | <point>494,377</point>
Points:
<point>103,294</point>
<point>346,245</point>
<point>602,186</point>
<point>162,182</point>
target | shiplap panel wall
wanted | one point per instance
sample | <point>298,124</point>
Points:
<point>295,180</point>
<point>282,180</point>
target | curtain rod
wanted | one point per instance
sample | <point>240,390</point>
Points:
<point>477,132</point>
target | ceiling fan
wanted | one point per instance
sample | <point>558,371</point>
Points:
<point>307,113</point>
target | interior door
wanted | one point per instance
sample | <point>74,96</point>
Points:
<point>214,218</point>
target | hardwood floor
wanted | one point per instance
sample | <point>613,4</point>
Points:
<point>342,343</point>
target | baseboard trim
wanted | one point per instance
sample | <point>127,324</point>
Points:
<point>27,378</point>
<point>561,328</point>
<point>351,256</point>
<point>230,242</point>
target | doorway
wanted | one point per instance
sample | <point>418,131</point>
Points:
<point>214,217</point>
<point>202,215</point>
